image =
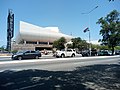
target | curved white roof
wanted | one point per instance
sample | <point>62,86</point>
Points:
<point>29,32</point>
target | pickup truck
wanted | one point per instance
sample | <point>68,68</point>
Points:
<point>65,53</point>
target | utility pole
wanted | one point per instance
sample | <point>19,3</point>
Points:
<point>88,13</point>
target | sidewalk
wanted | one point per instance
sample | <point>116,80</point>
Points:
<point>5,56</point>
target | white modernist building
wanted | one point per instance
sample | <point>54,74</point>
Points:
<point>32,36</point>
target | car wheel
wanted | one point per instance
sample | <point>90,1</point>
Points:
<point>20,58</point>
<point>37,57</point>
<point>62,56</point>
<point>73,55</point>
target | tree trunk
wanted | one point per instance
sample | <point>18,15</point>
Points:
<point>112,50</point>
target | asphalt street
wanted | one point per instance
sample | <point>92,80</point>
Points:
<point>57,64</point>
<point>78,73</point>
<point>8,58</point>
<point>49,73</point>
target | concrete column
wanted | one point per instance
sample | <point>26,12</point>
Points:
<point>48,43</point>
<point>37,42</point>
<point>24,42</point>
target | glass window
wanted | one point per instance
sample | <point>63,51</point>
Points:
<point>32,51</point>
<point>27,52</point>
<point>69,50</point>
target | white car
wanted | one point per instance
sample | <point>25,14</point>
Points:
<point>65,53</point>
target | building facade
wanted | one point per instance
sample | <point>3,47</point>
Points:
<point>32,37</point>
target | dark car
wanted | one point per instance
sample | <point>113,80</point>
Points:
<point>104,53</point>
<point>93,52</point>
<point>87,52</point>
<point>26,55</point>
<point>117,52</point>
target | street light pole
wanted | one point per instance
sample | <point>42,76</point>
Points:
<point>88,13</point>
<point>89,35</point>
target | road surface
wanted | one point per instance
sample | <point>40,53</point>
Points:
<point>57,64</point>
<point>78,73</point>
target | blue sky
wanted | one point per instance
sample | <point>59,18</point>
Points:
<point>65,14</point>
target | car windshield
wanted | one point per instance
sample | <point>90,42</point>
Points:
<point>21,51</point>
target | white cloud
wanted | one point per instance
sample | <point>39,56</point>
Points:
<point>94,42</point>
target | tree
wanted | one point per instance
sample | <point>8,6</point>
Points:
<point>76,42</point>
<point>110,29</point>
<point>117,48</point>
<point>60,43</point>
<point>55,44</point>
<point>79,43</point>
<point>2,48</point>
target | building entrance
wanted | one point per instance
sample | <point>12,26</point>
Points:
<point>43,48</point>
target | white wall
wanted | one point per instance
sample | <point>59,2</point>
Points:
<point>31,32</point>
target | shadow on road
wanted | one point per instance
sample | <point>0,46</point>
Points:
<point>100,77</point>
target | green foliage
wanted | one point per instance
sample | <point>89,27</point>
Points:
<point>93,46</point>
<point>110,29</point>
<point>14,51</point>
<point>70,45</point>
<point>117,48</point>
<point>1,48</point>
<point>59,44</point>
<point>79,43</point>
<point>100,47</point>
<point>55,44</point>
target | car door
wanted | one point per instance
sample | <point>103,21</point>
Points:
<point>69,51</point>
<point>27,55</point>
<point>33,54</point>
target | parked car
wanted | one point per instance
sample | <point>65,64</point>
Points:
<point>87,52</point>
<point>93,52</point>
<point>26,55</point>
<point>117,52</point>
<point>65,53</point>
<point>104,53</point>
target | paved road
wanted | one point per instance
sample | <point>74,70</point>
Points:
<point>8,58</point>
<point>58,64</point>
<point>34,74</point>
